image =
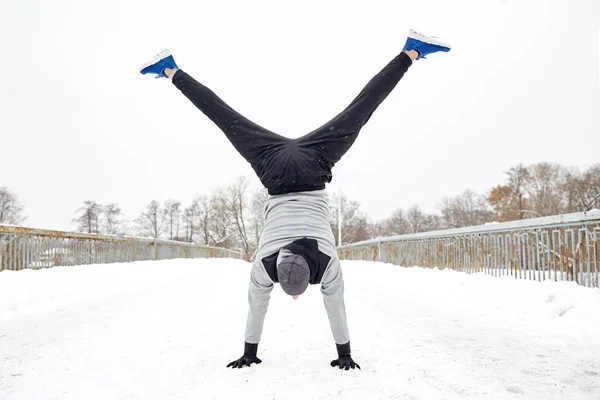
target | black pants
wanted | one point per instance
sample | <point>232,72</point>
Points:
<point>289,165</point>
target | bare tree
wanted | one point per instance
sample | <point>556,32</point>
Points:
<point>583,189</point>
<point>172,212</point>
<point>113,219</point>
<point>237,203</point>
<point>432,222</point>
<point>88,217</point>
<point>220,219</point>
<point>396,224</point>
<point>190,214</point>
<point>466,209</point>
<point>151,221</point>
<point>11,209</point>
<point>258,203</point>
<point>517,180</point>
<point>355,225</point>
<point>376,229</point>
<point>416,219</point>
<point>203,222</point>
<point>412,221</point>
<point>545,186</point>
<point>359,230</point>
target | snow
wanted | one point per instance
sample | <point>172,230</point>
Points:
<point>166,330</point>
<point>590,280</point>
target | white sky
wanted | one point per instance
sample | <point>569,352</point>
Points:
<point>78,122</point>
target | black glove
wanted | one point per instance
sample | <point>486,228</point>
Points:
<point>248,358</point>
<point>344,360</point>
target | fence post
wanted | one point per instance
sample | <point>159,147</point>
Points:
<point>1,253</point>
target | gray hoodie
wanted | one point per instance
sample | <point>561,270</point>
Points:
<point>289,217</point>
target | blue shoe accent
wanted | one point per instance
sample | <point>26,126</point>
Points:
<point>424,44</point>
<point>158,64</point>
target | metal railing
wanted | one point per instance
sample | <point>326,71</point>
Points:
<point>561,247</point>
<point>22,248</point>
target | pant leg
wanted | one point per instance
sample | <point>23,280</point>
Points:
<point>252,141</point>
<point>335,138</point>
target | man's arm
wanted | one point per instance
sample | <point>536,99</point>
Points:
<point>332,288</point>
<point>259,293</point>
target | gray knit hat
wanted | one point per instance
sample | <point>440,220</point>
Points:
<point>293,274</point>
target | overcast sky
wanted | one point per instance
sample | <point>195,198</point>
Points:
<point>78,122</point>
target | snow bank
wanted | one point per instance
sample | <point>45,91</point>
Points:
<point>166,329</point>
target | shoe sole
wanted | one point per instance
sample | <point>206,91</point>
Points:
<point>157,58</point>
<point>427,39</point>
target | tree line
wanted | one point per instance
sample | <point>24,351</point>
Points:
<point>533,191</point>
<point>229,216</point>
<point>232,215</point>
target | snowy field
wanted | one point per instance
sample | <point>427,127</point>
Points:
<point>167,329</point>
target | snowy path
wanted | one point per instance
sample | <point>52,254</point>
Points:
<point>166,330</point>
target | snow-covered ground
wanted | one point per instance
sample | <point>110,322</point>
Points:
<point>167,329</point>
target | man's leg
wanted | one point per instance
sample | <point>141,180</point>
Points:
<point>335,138</point>
<point>252,141</point>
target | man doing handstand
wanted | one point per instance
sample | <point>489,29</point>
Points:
<point>297,246</point>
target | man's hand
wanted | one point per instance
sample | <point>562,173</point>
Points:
<point>248,358</point>
<point>345,362</point>
<point>244,360</point>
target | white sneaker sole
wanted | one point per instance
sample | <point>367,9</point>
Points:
<point>163,54</point>
<point>427,39</point>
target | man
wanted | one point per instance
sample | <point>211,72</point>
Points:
<point>297,247</point>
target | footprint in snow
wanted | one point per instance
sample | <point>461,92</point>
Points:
<point>514,389</point>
